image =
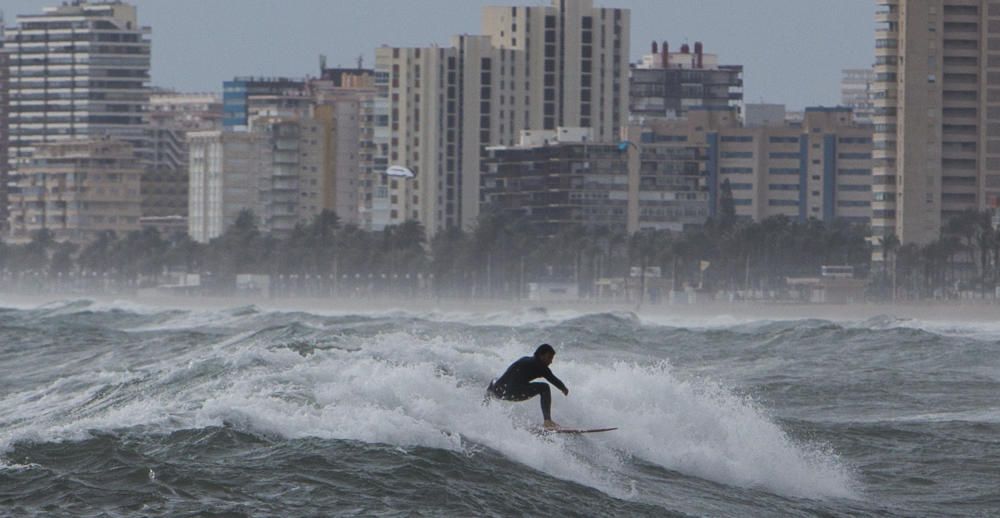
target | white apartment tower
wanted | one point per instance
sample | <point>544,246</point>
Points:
<point>936,114</point>
<point>533,68</point>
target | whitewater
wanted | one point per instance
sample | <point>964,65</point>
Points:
<point>118,409</point>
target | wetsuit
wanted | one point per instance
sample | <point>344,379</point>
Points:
<point>515,384</point>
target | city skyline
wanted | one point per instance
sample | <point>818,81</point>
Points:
<point>778,52</point>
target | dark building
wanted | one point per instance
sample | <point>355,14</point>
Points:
<point>667,84</point>
<point>559,184</point>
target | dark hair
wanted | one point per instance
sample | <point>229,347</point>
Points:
<point>544,349</point>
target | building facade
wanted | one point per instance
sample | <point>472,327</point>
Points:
<point>237,95</point>
<point>821,168</point>
<point>227,172</point>
<point>936,114</point>
<point>667,84</point>
<point>77,189</point>
<point>78,70</point>
<point>856,92</point>
<point>533,68</point>
<point>170,117</point>
<point>4,131</point>
<point>559,179</point>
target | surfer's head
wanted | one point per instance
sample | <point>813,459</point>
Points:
<point>545,353</point>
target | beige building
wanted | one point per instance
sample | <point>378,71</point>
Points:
<point>227,171</point>
<point>936,114</point>
<point>77,189</point>
<point>820,168</point>
<point>308,159</point>
<point>533,68</point>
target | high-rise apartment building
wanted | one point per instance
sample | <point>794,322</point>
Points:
<point>533,68</point>
<point>672,174</point>
<point>820,168</point>
<point>78,70</point>
<point>4,131</point>
<point>856,92</point>
<point>227,170</point>
<point>170,117</point>
<point>559,179</point>
<point>77,189</point>
<point>936,114</point>
<point>667,84</point>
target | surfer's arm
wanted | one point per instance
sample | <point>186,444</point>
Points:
<point>551,378</point>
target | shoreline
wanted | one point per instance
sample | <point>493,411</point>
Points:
<point>965,311</point>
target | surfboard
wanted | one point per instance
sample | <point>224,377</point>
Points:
<point>577,431</point>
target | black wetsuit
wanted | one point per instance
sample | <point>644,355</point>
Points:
<point>515,384</point>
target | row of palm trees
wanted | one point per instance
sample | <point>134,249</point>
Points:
<point>494,259</point>
<point>966,257</point>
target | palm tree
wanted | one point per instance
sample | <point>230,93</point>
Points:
<point>890,244</point>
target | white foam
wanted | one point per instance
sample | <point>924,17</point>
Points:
<point>407,391</point>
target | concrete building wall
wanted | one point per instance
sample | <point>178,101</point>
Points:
<point>46,51</point>
<point>763,114</point>
<point>164,187</point>
<point>667,84</point>
<point>937,102</point>
<point>819,169</point>
<point>77,189</point>
<point>227,169</point>
<point>4,131</point>
<point>534,68</point>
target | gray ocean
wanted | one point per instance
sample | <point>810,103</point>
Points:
<point>119,409</point>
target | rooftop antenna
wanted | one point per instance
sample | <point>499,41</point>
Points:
<point>361,61</point>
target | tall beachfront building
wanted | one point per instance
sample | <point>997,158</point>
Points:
<point>936,114</point>
<point>536,67</point>
<point>78,70</point>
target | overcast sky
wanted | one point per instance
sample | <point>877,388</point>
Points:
<point>792,50</point>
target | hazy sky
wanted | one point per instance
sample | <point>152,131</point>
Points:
<point>792,50</point>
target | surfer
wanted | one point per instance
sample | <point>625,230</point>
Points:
<point>516,385</point>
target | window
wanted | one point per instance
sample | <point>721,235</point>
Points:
<point>737,154</point>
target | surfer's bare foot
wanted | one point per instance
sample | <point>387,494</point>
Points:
<point>550,425</point>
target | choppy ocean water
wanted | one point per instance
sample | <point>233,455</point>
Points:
<point>123,410</point>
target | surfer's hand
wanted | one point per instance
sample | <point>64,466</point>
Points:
<point>565,392</point>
